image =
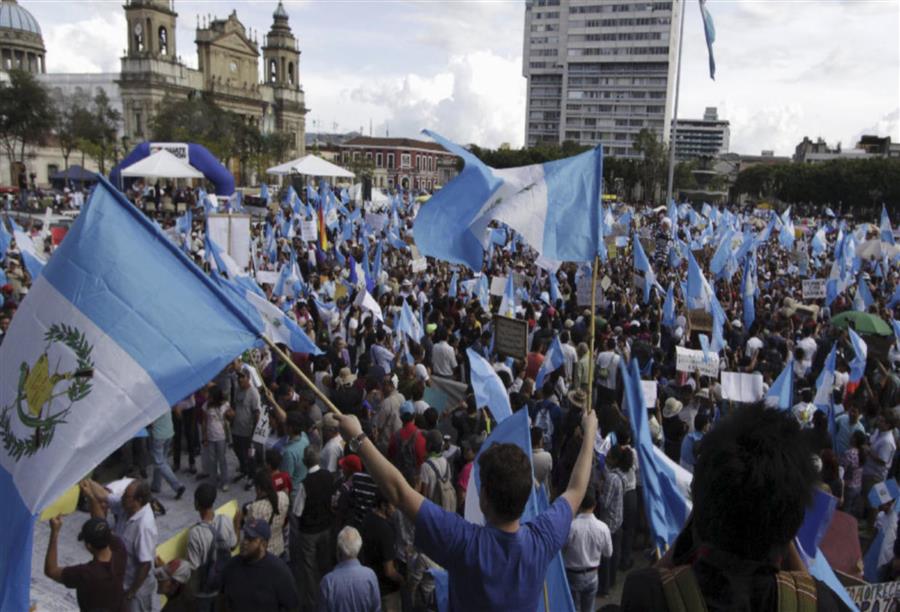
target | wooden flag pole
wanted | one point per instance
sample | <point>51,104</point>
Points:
<point>287,359</point>
<point>590,388</point>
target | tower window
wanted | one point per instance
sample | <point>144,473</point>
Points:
<point>163,41</point>
<point>273,71</point>
<point>291,73</point>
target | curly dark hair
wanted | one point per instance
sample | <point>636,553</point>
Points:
<point>752,483</point>
<point>506,480</point>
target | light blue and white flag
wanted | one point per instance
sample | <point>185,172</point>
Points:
<point>454,285</point>
<point>819,242</point>
<point>264,194</point>
<point>119,327</point>
<point>709,31</point>
<point>786,235</point>
<point>665,483</point>
<point>553,360</point>
<point>554,287</point>
<point>699,291</point>
<point>781,393</point>
<point>488,388</point>
<point>668,313</point>
<point>863,299</point>
<point>749,290</point>
<point>290,280</point>
<point>34,261</point>
<point>642,264</point>
<point>409,324</point>
<point>824,398</point>
<point>554,206</point>
<point>860,353</point>
<point>484,292</point>
<point>885,230</point>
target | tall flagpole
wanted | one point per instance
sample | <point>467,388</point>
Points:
<point>673,129</point>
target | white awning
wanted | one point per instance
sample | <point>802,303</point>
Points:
<point>310,165</point>
<point>162,164</point>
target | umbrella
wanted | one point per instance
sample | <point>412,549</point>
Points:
<point>876,249</point>
<point>863,323</point>
<point>162,164</point>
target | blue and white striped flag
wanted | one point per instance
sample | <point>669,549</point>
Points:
<point>119,327</point>
<point>709,30</point>
<point>488,388</point>
<point>553,360</point>
<point>34,261</point>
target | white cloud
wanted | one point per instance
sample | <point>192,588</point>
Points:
<point>93,44</point>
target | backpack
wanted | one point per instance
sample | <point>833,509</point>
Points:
<point>544,420</point>
<point>796,591</point>
<point>213,567</point>
<point>444,494</point>
<point>406,456</point>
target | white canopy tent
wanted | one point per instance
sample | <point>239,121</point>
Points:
<point>310,165</point>
<point>162,164</point>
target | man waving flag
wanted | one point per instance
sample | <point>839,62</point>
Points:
<point>118,327</point>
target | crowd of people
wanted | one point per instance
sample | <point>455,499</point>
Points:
<point>354,509</point>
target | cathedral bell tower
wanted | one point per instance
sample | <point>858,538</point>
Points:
<point>151,29</point>
<point>281,55</point>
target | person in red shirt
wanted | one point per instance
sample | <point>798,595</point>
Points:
<point>281,480</point>
<point>406,453</point>
<point>534,360</point>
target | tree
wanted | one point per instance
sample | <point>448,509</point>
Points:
<point>70,114</point>
<point>198,120</point>
<point>653,167</point>
<point>26,114</point>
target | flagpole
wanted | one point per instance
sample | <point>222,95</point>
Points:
<point>673,128</point>
<point>287,360</point>
<point>590,399</point>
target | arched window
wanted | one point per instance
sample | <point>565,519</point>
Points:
<point>291,73</point>
<point>163,41</point>
<point>273,71</point>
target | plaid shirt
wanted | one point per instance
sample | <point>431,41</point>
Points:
<point>611,492</point>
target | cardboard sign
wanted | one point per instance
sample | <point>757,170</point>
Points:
<point>740,387</point>
<point>649,388</point>
<point>814,289</point>
<point>419,265</point>
<point>262,429</point>
<point>690,360</point>
<point>309,230</point>
<point>874,597</point>
<point>231,233</point>
<point>510,337</point>
<point>267,277</point>
<point>700,320</point>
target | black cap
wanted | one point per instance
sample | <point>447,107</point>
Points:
<point>96,532</point>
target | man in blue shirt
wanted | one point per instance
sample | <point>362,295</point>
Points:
<point>350,586</point>
<point>691,443</point>
<point>503,564</point>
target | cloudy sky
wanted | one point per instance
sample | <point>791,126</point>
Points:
<point>786,68</point>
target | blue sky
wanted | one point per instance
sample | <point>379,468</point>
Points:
<point>786,68</point>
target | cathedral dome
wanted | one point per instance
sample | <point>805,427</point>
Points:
<point>14,17</point>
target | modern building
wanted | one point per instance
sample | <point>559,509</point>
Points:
<point>599,71</point>
<point>401,162</point>
<point>707,137</point>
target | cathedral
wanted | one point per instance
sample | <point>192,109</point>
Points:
<point>228,73</point>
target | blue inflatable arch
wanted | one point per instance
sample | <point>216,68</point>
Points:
<point>198,156</point>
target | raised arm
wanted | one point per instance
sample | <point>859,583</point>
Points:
<point>389,479</point>
<point>581,472</point>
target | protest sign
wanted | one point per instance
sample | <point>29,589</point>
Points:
<point>510,337</point>
<point>419,264</point>
<point>309,230</point>
<point>700,321</point>
<point>498,285</point>
<point>605,282</point>
<point>267,277</point>
<point>690,360</point>
<point>875,597</point>
<point>649,388</point>
<point>583,291</point>
<point>813,289</point>
<point>231,233</point>
<point>262,429</point>
<point>740,387</point>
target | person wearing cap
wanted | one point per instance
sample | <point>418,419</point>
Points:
<point>97,583</point>
<point>173,581</point>
<point>502,564</point>
<point>674,428</point>
<point>256,579</point>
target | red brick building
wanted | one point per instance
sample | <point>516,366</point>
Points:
<point>402,162</point>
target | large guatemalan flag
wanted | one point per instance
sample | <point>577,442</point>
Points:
<point>118,327</point>
<point>554,206</point>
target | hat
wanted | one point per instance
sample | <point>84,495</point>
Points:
<point>430,328</point>
<point>351,463</point>
<point>177,570</point>
<point>96,532</point>
<point>257,528</point>
<point>577,398</point>
<point>569,324</point>
<point>407,408</point>
<point>672,407</point>
<point>737,324</point>
<point>345,378</point>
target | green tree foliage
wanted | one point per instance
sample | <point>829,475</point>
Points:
<point>96,128</point>
<point>848,183</point>
<point>198,120</point>
<point>26,114</point>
